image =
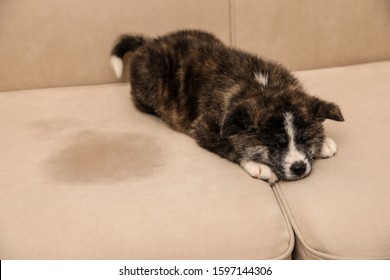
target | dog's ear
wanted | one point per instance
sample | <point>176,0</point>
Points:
<point>235,121</point>
<point>326,110</point>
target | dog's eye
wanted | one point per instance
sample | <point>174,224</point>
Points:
<point>280,142</point>
<point>301,139</point>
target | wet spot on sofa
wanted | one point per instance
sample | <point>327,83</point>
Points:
<point>104,157</point>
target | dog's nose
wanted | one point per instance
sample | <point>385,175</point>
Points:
<point>298,168</point>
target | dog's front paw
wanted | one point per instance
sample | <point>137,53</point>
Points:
<point>329,148</point>
<point>259,171</point>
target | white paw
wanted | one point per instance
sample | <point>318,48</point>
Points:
<point>259,171</point>
<point>329,148</point>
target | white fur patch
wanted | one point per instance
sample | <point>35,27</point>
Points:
<point>259,171</point>
<point>329,148</point>
<point>117,65</point>
<point>293,154</point>
<point>261,78</point>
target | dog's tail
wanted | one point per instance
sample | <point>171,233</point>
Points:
<point>125,44</point>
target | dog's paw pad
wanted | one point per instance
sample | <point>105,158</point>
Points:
<point>329,148</point>
<point>260,171</point>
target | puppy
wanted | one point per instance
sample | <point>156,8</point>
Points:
<point>246,109</point>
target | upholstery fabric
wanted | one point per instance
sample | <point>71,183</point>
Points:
<point>342,209</point>
<point>84,175</point>
<point>313,34</point>
<point>66,43</point>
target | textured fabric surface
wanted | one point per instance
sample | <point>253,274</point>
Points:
<point>342,209</point>
<point>66,43</point>
<point>83,175</point>
<point>308,34</point>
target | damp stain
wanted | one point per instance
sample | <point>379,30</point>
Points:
<point>104,157</point>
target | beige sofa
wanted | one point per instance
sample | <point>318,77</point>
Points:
<point>83,175</point>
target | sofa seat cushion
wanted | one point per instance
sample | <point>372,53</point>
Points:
<point>342,210</point>
<point>84,175</point>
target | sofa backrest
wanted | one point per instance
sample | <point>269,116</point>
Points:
<point>64,43</point>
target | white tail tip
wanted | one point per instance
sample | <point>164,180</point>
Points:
<point>117,65</point>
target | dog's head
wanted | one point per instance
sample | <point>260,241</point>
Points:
<point>280,129</point>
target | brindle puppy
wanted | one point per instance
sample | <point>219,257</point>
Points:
<point>246,109</point>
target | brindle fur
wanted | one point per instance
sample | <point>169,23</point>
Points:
<point>208,90</point>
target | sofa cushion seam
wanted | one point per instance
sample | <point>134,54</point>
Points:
<point>284,204</point>
<point>291,242</point>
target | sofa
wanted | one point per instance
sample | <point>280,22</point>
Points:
<point>84,175</point>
